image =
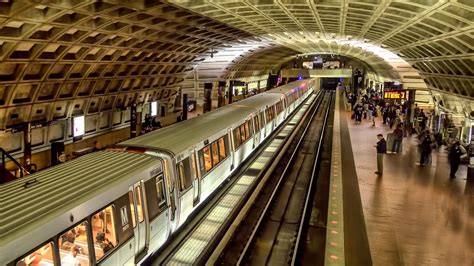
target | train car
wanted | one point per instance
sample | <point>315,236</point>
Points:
<point>118,206</point>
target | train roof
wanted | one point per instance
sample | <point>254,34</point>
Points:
<point>290,87</point>
<point>61,188</point>
<point>181,136</point>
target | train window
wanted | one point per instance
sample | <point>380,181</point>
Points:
<point>256,124</point>
<point>185,174</point>
<point>132,208</point>
<point>262,120</point>
<point>139,204</point>
<point>193,166</point>
<point>74,247</point>
<point>242,134</point>
<point>103,230</point>
<point>207,159</point>
<point>160,190</point>
<point>222,150</point>
<point>237,139</point>
<point>247,130</point>
<point>41,256</point>
<point>215,153</point>
<point>182,176</point>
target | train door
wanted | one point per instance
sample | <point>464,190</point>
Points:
<point>140,216</point>
<point>256,130</point>
<point>197,178</point>
<point>232,148</point>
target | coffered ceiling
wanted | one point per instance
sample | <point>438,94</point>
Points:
<point>434,36</point>
<point>66,57</point>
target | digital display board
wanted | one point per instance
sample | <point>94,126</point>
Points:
<point>154,108</point>
<point>394,94</point>
<point>78,126</point>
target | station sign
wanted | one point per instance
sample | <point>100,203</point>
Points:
<point>394,95</point>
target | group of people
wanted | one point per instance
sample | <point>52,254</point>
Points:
<point>370,106</point>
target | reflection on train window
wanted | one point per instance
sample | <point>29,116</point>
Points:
<point>103,230</point>
<point>215,153</point>
<point>41,256</point>
<point>132,208</point>
<point>73,246</point>
<point>207,159</point>
<point>139,204</point>
<point>262,120</point>
<point>222,152</point>
<point>160,190</point>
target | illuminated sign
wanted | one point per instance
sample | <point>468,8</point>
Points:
<point>154,108</point>
<point>78,126</point>
<point>394,95</point>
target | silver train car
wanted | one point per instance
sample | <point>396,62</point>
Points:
<point>116,207</point>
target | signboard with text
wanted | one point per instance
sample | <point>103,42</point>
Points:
<point>398,95</point>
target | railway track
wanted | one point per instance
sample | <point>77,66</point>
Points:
<point>273,230</point>
<point>175,251</point>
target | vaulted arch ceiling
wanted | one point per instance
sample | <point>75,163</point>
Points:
<point>68,57</point>
<point>434,36</point>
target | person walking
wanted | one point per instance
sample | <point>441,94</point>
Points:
<point>381,150</point>
<point>455,158</point>
<point>425,150</point>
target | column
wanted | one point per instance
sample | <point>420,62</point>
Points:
<point>185,106</point>
<point>231,91</point>
<point>27,146</point>
<point>207,97</point>
<point>133,120</point>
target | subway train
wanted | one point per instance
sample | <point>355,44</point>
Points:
<point>118,206</point>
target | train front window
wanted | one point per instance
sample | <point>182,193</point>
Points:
<point>41,256</point>
<point>160,190</point>
<point>73,246</point>
<point>103,230</point>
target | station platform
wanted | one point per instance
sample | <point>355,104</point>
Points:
<point>412,215</point>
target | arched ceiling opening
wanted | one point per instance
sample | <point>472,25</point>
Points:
<point>434,36</point>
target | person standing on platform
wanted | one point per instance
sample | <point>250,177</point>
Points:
<point>381,150</point>
<point>398,138</point>
<point>455,158</point>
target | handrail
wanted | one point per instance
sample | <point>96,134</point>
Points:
<point>21,167</point>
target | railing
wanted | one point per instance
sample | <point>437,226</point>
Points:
<point>21,169</point>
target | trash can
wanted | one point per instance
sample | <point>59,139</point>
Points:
<point>470,173</point>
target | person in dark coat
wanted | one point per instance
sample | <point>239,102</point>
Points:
<point>381,150</point>
<point>358,110</point>
<point>455,158</point>
<point>398,138</point>
<point>426,147</point>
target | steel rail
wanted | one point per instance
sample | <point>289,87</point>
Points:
<point>310,187</point>
<point>276,189</point>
